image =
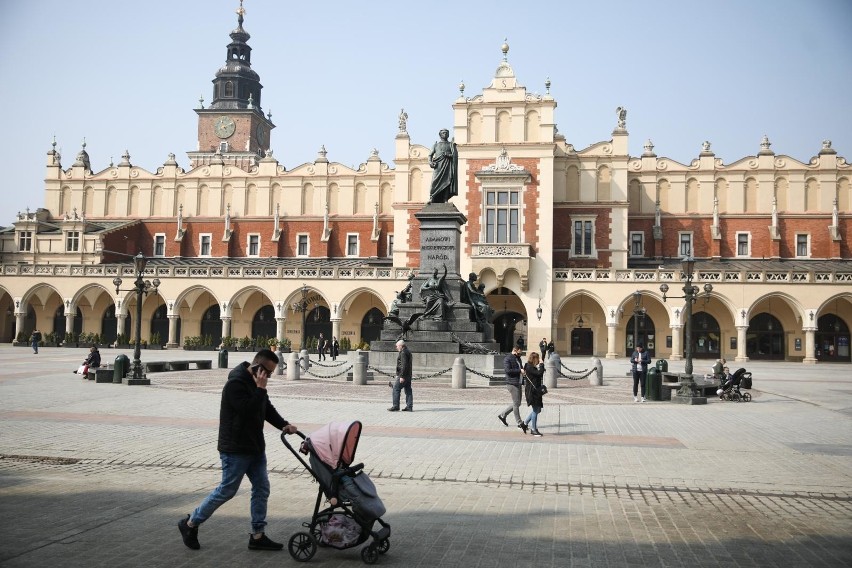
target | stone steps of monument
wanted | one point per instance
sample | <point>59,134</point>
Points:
<point>419,346</point>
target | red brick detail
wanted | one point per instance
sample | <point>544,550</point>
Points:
<point>563,239</point>
<point>413,232</point>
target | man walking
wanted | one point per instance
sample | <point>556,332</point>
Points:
<point>403,378</point>
<point>542,346</point>
<point>244,408</point>
<point>512,367</point>
<point>639,362</point>
<point>321,348</point>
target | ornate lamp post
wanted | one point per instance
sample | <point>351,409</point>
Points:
<point>302,306</point>
<point>638,312</point>
<point>141,287</point>
<point>686,393</point>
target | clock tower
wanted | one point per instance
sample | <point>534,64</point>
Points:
<point>234,127</point>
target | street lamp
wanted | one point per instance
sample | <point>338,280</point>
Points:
<point>690,294</point>
<point>141,287</point>
<point>302,306</point>
<point>638,312</point>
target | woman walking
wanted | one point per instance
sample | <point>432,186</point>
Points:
<point>534,371</point>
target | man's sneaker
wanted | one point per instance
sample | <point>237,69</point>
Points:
<point>523,426</point>
<point>536,433</point>
<point>263,543</point>
<point>502,419</point>
<point>189,534</point>
<point>643,399</point>
<point>635,399</point>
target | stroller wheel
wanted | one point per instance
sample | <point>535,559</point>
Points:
<point>302,546</point>
<point>369,554</point>
<point>383,546</point>
<point>736,397</point>
<point>746,397</point>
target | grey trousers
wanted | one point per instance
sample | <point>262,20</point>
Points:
<point>515,391</point>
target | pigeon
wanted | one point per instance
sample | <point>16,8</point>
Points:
<point>405,325</point>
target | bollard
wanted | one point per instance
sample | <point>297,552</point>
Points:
<point>293,367</point>
<point>280,356</point>
<point>306,359</point>
<point>120,367</point>
<point>551,370</point>
<point>662,366</point>
<point>359,368</point>
<point>223,358</point>
<point>654,384</point>
<point>597,381</point>
<point>459,374</point>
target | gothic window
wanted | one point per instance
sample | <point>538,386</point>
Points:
<point>685,244</point>
<point>637,244</point>
<point>159,244</point>
<point>205,242</point>
<point>72,241</point>
<point>25,241</point>
<point>584,232</point>
<point>253,245</point>
<point>743,244</point>
<point>802,246</point>
<point>352,244</point>
<point>302,245</point>
<point>229,89</point>
<point>502,216</point>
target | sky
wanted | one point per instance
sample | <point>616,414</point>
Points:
<point>127,75</point>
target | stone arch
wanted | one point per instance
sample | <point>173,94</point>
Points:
<point>532,126</point>
<point>360,205</point>
<point>811,194</point>
<point>307,199</point>
<point>415,186</point>
<point>572,183</point>
<point>333,199</point>
<point>385,199</point>
<point>604,184</point>
<point>691,200</point>
<point>474,122</point>
<point>663,194</point>
<point>634,196</point>
<point>750,203</point>
<point>503,126</point>
<point>844,195</point>
<point>720,192</point>
<point>781,187</point>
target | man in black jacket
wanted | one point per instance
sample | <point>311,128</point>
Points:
<point>244,408</point>
<point>404,372</point>
<point>514,371</point>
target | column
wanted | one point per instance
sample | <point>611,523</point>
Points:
<point>741,343</point>
<point>677,342</point>
<point>226,326</point>
<point>335,328</point>
<point>119,322</point>
<point>69,322</point>
<point>810,346</point>
<point>611,328</point>
<point>20,320</point>
<point>279,330</point>
<point>173,338</point>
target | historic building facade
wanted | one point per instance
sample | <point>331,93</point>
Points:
<point>238,241</point>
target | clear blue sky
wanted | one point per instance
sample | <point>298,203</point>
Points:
<point>127,75</point>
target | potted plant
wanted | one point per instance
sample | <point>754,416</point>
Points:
<point>156,341</point>
<point>245,343</point>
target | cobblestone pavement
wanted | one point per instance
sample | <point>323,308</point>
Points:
<point>98,474</point>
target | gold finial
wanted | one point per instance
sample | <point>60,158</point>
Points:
<point>505,49</point>
<point>241,11</point>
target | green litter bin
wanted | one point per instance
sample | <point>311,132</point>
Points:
<point>223,358</point>
<point>654,384</point>
<point>120,367</point>
<point>662,365</point>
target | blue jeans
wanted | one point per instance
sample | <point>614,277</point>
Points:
<point>532,419</point>
<point>406,386</point>
<point>234,467</point>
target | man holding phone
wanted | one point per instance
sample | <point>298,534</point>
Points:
<point>244,408</point>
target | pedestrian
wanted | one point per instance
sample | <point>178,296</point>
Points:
<point>639,362</point>
<point>35,338</point>
<point>514,372</point>
<point>542,346</point>
<point>718,368</point>
<point>403,378</point>
<point>534,372</point>
<point>335,348</point>
<point>244,408</point>
<point>321,348</point>
<point>551,348</point>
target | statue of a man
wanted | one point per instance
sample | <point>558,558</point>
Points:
<point>480,310</point>
<point>444,161</point>
<point>435,295</point>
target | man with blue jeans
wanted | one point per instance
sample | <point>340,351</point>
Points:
<point>244,408</point>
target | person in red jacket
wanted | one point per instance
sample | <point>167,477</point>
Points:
<point>244,408</point>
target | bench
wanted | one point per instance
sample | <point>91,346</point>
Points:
<point>101,374</point>
<point>200,364</point>
<point>155,366</point>
<point>704,389</point>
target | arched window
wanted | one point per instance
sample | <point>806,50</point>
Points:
<point>371,325</point>
<point>211,324</point>
<point>263,324</point>
<point>765,337</point>
<point>706,336</point>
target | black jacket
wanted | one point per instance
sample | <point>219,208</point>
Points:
<point>512,368</point>
<point>403,363</point>
<point>243,410</point>
<point>532,384</point>
<point>93,359</point>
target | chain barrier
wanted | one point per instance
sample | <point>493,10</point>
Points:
<point>379,371</point>
<point>341,373</point>
<point>472,347</point>
<point>339,363</point>
<point>571,370</point>
<point>580,378</point>
<point>483,375</point>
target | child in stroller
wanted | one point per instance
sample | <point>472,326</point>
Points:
<point>730,389</point>
<point>354,506</point>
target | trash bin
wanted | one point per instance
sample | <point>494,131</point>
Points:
<point>654,384</point>
<point>662,365</point>
<point>223,358</point>
<point>120,367</point>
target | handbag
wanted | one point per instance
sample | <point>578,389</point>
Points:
<point>543,390</point>
<point>83,370</point>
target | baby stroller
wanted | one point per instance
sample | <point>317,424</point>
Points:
<point>730,390</point>
<point>354,506</point>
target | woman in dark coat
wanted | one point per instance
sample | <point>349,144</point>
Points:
<point>533,372</point>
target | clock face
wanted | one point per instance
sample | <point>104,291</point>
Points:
<point>224,127</point>
<point>260,134</point>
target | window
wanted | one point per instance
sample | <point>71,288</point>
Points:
<point>253,245</point>
<point>302,248</point>
<point>72,241</point>
<point>803,248</point>
<point>159,244</point>
<point>584,232</point>
<point>502,217</point>
<point>25,241</point>
<point>205,240</point>
<point>743,244</point>
<point>637,244</point>
<point>685,244</point>
<point>390,245</point>
<point>223,148</point>
<point>352,244</point>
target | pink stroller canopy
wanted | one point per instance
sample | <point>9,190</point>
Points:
<point>336,442</point>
